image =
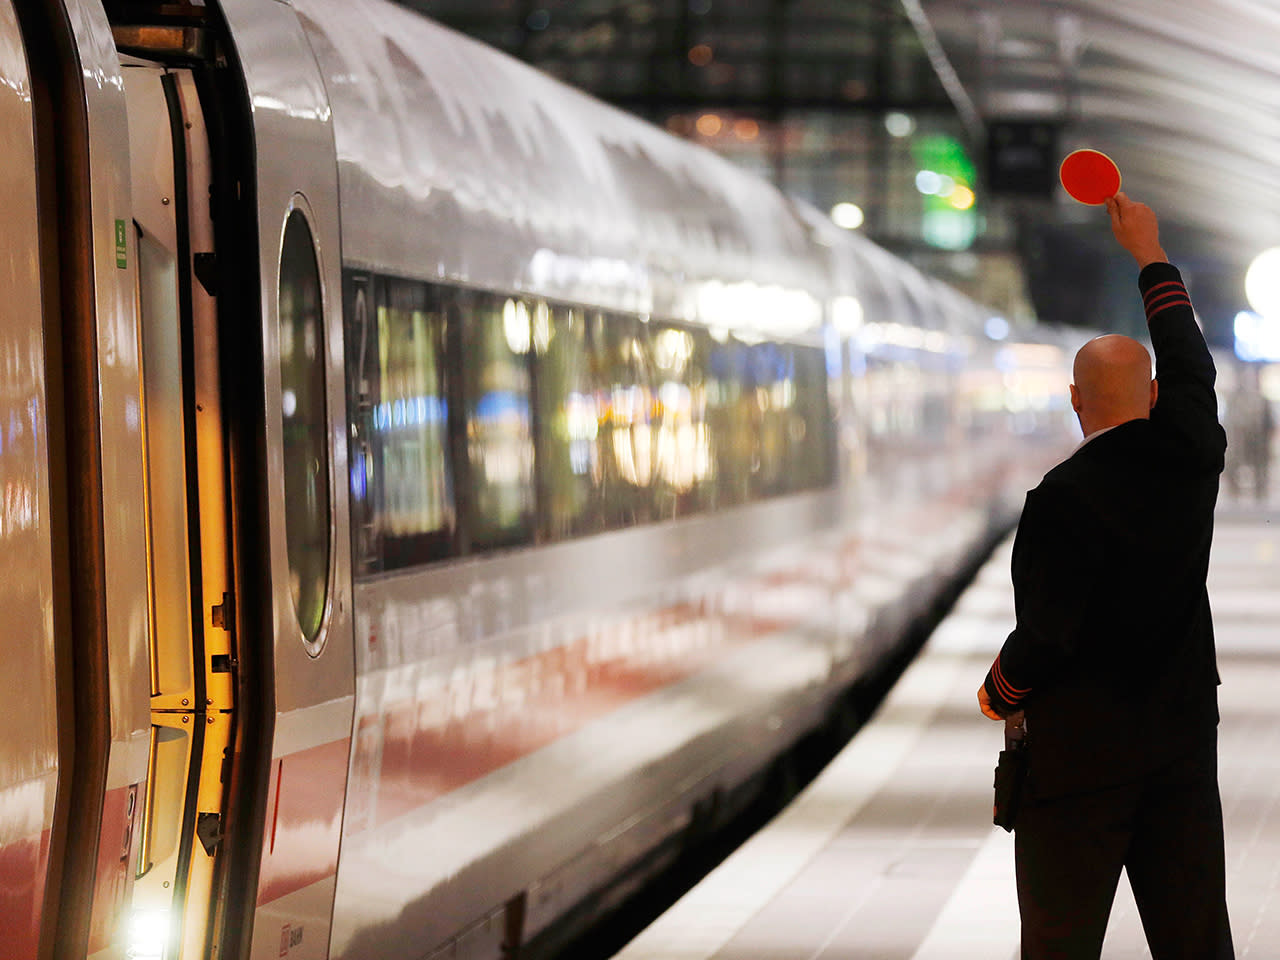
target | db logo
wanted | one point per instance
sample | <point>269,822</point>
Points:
<point>290,937</point>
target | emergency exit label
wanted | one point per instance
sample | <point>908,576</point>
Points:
<point>121,260</point>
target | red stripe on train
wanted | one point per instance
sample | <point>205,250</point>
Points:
<point>425,749</point>
<point>24,865</point>
<point>114,877</point>
<point>418,750</point>
<point>300,844</point>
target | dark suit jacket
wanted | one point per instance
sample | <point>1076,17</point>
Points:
<point>1113,657</point>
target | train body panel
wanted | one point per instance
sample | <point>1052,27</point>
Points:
<point>29,760</point>
<point>478,679</point>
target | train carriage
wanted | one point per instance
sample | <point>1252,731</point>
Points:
<point>428,493</point>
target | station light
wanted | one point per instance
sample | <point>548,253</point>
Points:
<point>847,315</point>
<point>1257,337</point>
<point>1262,284</point>
<point>928,183</point>
<point>148,933</point>
<point>847,215</point>
<point>899,124</point>
<point>701,55</point>
<point>997,328</point>
<point>709,124</point>
<point>962,198</point>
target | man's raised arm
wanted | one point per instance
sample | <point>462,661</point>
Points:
<point>1185,373</point>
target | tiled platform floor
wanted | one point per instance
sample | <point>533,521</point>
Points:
<point>890,852</point>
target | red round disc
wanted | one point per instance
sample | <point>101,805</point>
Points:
<point>1090,176</point>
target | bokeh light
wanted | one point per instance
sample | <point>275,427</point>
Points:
<point>701,55</point>
<point>710,124</point>
<point>847,215</point>
<point>1262,283</point>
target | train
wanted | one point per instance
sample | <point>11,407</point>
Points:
<point>428,491</point>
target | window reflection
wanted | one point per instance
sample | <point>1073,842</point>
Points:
<point>570,457</point>
<point>625,402</point>
<point>685,464</point>
<point>771,373</point>
<point>497,336</point>
<point>732,416</point>
<point>482,421</point>
<point>813,447</point>
<point>401,474</point>
<point>304,425</point>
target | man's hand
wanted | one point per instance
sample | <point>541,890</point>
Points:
<point>1137,229</point>
<point>984,701</point>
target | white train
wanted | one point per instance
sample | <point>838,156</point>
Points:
<point>423,487</point>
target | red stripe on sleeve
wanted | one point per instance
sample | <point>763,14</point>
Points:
<point>1007,690</point>
<point>1160,286</point>
<point>1156,311</point>
<point>1018,690</point>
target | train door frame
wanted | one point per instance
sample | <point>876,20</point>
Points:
<point>99,602</point>
<point>31,769</point>
<point>193,697</point>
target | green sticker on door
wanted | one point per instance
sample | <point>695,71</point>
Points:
<point>122,260</point>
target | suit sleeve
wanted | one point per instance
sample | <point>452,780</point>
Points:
<point>1051,568</point>
<point>1186,407</point>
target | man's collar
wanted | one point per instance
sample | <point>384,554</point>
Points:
<point>1098,433</point>
<point>1092,436</point>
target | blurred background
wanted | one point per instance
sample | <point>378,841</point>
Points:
<point>936,128</point>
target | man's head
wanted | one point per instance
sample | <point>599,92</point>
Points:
<point>1112,383</point>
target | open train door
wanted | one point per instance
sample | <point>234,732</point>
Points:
<point>235,215</point>
<point>307,546</point>
<point>290,512</point>
<point>193,697</point>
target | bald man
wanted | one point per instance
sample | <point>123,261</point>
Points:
<point>1112,657</point>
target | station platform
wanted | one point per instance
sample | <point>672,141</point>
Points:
<point>890,852</point>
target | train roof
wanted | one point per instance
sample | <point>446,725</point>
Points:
<point>460,164</point>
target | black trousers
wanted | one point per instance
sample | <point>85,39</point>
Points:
<point>1165,831</point>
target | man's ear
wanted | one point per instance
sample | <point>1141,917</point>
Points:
<point>1155,392</point>
<point>1075,398</point>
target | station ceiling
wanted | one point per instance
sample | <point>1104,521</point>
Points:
<point>1183,94</point>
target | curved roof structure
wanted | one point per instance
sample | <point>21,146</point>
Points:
<point>1185,96</point>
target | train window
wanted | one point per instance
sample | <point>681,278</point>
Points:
<point>480,421</point>
<point>401,472</point>
<point>497,336</point>
<point>683,462</point>
<point>732,415</point>
<point>305,457</point>
<point>771,381</point>
<point>813,432</point>
<point>626,405</point>
<point>570,451</point>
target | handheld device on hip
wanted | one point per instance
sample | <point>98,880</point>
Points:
<point>1011,773</point>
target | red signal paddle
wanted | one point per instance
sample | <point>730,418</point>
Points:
<point>1090,176</point>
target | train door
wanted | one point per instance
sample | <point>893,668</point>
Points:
<point>305,584</point>
<point>252,664</point>
<point>186,517</point>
